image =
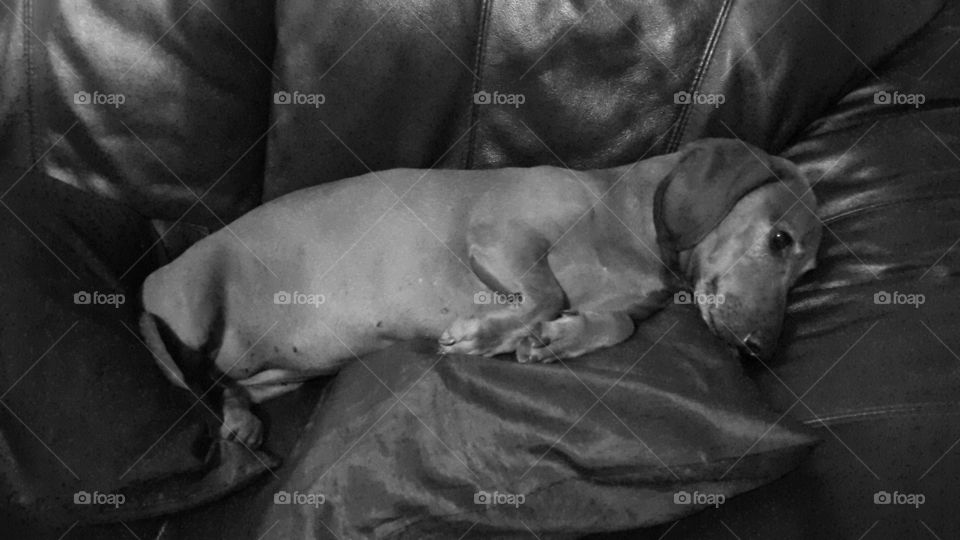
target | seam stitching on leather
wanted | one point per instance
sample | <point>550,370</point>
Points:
<point>28,63</point>
<point>478,59</point>
<point>702,67</point>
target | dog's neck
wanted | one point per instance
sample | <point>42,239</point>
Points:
<point>643,186</point>
<point>688,266</point>
<point>683,265</point>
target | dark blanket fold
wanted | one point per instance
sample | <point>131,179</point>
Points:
<point>409,444</point>
<point>90,430</point>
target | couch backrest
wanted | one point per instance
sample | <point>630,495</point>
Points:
<point>160,103</point>
<point>583,84</point>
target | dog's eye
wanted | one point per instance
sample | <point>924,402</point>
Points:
<point>780,241</point>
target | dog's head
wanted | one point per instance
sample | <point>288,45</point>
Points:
<point>743,228</point>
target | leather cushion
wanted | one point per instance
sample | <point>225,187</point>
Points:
<point>879,380</point>
<point>781,64</point>
<point>888,179</point>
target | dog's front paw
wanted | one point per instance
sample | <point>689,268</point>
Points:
<point>533,350</point>
<point>241,425</point>
<point>482,336</point>
<point>551,341</point>
<point>467,336</point>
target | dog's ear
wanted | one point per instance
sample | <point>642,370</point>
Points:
<point>709,177</point>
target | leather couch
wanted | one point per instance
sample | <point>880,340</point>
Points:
<point>861,94</point>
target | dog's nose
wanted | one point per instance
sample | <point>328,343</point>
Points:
<point>753,348</point>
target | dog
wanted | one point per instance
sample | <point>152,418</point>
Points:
<point>545,263</point>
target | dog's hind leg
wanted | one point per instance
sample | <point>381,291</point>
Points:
<point>239,423</point>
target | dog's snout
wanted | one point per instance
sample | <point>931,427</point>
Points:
<point>752,347</point>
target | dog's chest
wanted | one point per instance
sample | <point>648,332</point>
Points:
<point>604,276</point>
